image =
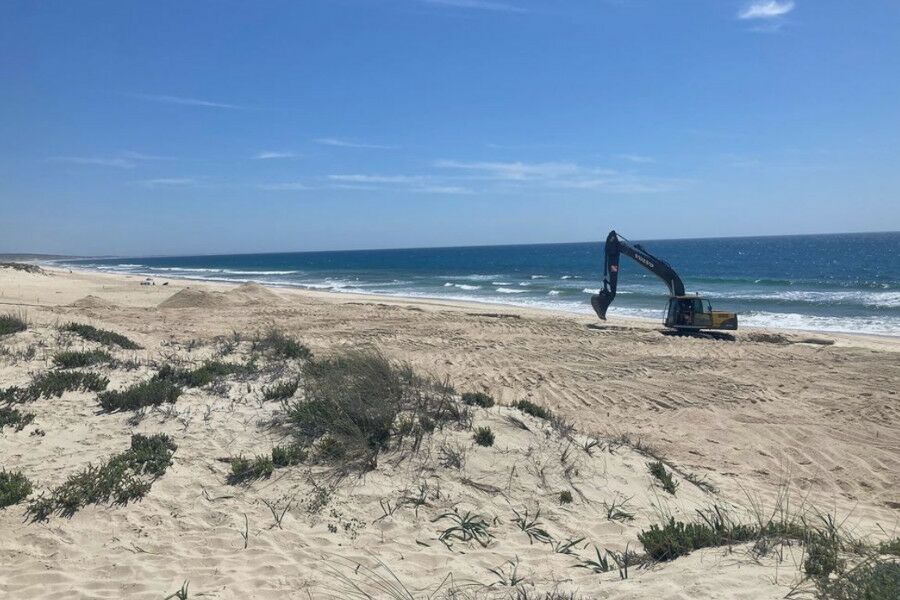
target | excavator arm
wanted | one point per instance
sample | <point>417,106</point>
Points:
<point>616,245</point>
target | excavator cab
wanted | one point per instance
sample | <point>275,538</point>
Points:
<point>693,313</point>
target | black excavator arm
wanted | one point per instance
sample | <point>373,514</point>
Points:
<point>617,245</point>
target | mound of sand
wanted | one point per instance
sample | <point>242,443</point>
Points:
<point>191,298</point>
<point>91,301</point>
<point>253,293</point>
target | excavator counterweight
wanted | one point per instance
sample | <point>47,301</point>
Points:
<point>684,312</point>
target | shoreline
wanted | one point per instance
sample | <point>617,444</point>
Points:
<point>461,304</point>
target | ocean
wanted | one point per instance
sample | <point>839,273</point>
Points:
<point>841,282</point>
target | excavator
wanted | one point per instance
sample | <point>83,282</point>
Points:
<point>685,313</point>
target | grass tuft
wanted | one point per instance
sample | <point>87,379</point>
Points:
<point>204,374</point>
<point>874,579</point>
<point>535,410</point>
<point>147,393</point>
<point>13,418</point>
<point>281,391</point>
<point>276,343</point>
<point>658,470</point>
<point>14,487</point>
<point>124,478</point>
<point>53,384</point>
<point>101,336</point>
<point>484,436</point>
<point>565,497</point>
<point>71,359</point>
<point>478,399</point>
<point>352,403</point>
<point>13,323</point>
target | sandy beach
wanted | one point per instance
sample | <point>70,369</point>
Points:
<point>768,415</point>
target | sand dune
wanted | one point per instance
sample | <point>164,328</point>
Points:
<point>749,416</point>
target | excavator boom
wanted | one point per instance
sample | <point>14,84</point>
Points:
<point>614,247</point>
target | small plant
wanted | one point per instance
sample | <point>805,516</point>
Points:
<point>658,470</point>
<point>565,546</point>
<point>565,497</point>
<point>452,456</point>
<point>535,410</point>
<point>478,399</point>
<point>617,510</point>
<point>181,594</point>
<point>245,469</point>
<point>124,478</point>
<point>14,487</point>
<point>147,393</point>
<point>281,391</point>
<point>13,418</point>
<point>287,456</point>
<point>532,527</point>
<point>484,436</point>
<point>822,558</point>
<point>600,565</point>
<point>701,483</point>
<point>465,528</point>
<point>275,343</point>
<point>203,375</point>
<point>12,323</point>
<point>101,336</point>
<point>510,579</point>
<point>71,359</point>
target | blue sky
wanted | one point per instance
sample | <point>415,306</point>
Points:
<point>205,127</point>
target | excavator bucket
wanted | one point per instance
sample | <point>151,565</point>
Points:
<point>601,302</point>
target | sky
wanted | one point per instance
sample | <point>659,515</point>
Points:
<point>139,128</point>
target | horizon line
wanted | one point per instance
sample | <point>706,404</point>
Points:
<point>57,257</point>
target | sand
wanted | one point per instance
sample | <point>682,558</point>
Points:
<point>816,414</point>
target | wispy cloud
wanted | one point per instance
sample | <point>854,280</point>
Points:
<point>560,175</point>
<point>127,159</point>
<point>168,182</point>
<point>343,143</point>
<point>488,5</point>
<point>766,9</point>
<point>399,179</point>
<point>272,155</point>
<point>285,187</point>
<point>97,161</point>
<point>636,158</point>
<point>185,101</point>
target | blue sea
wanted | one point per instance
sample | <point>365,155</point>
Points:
<point>845,282</point>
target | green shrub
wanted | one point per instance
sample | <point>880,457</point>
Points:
<point>245,469</point>
<point>12,323</point>
<point>535,410</point>
<point>14,487</point>
<point>53,384</point>
<point>658,470</point>
<point>202,375</point>
<point>822,558</point>
<point>350,403</point>
<point>872,580</point>
<point>478,399</point>
<point>484,436</point>
<point>147,393</point>
<point>275,343</point>
<point>124,478</point>
<point>890,547</point>
<point>70,359</point>
<point>565,497</point>
<point>281,391</point>
<point>102,336</point>
<point>13,418</point>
